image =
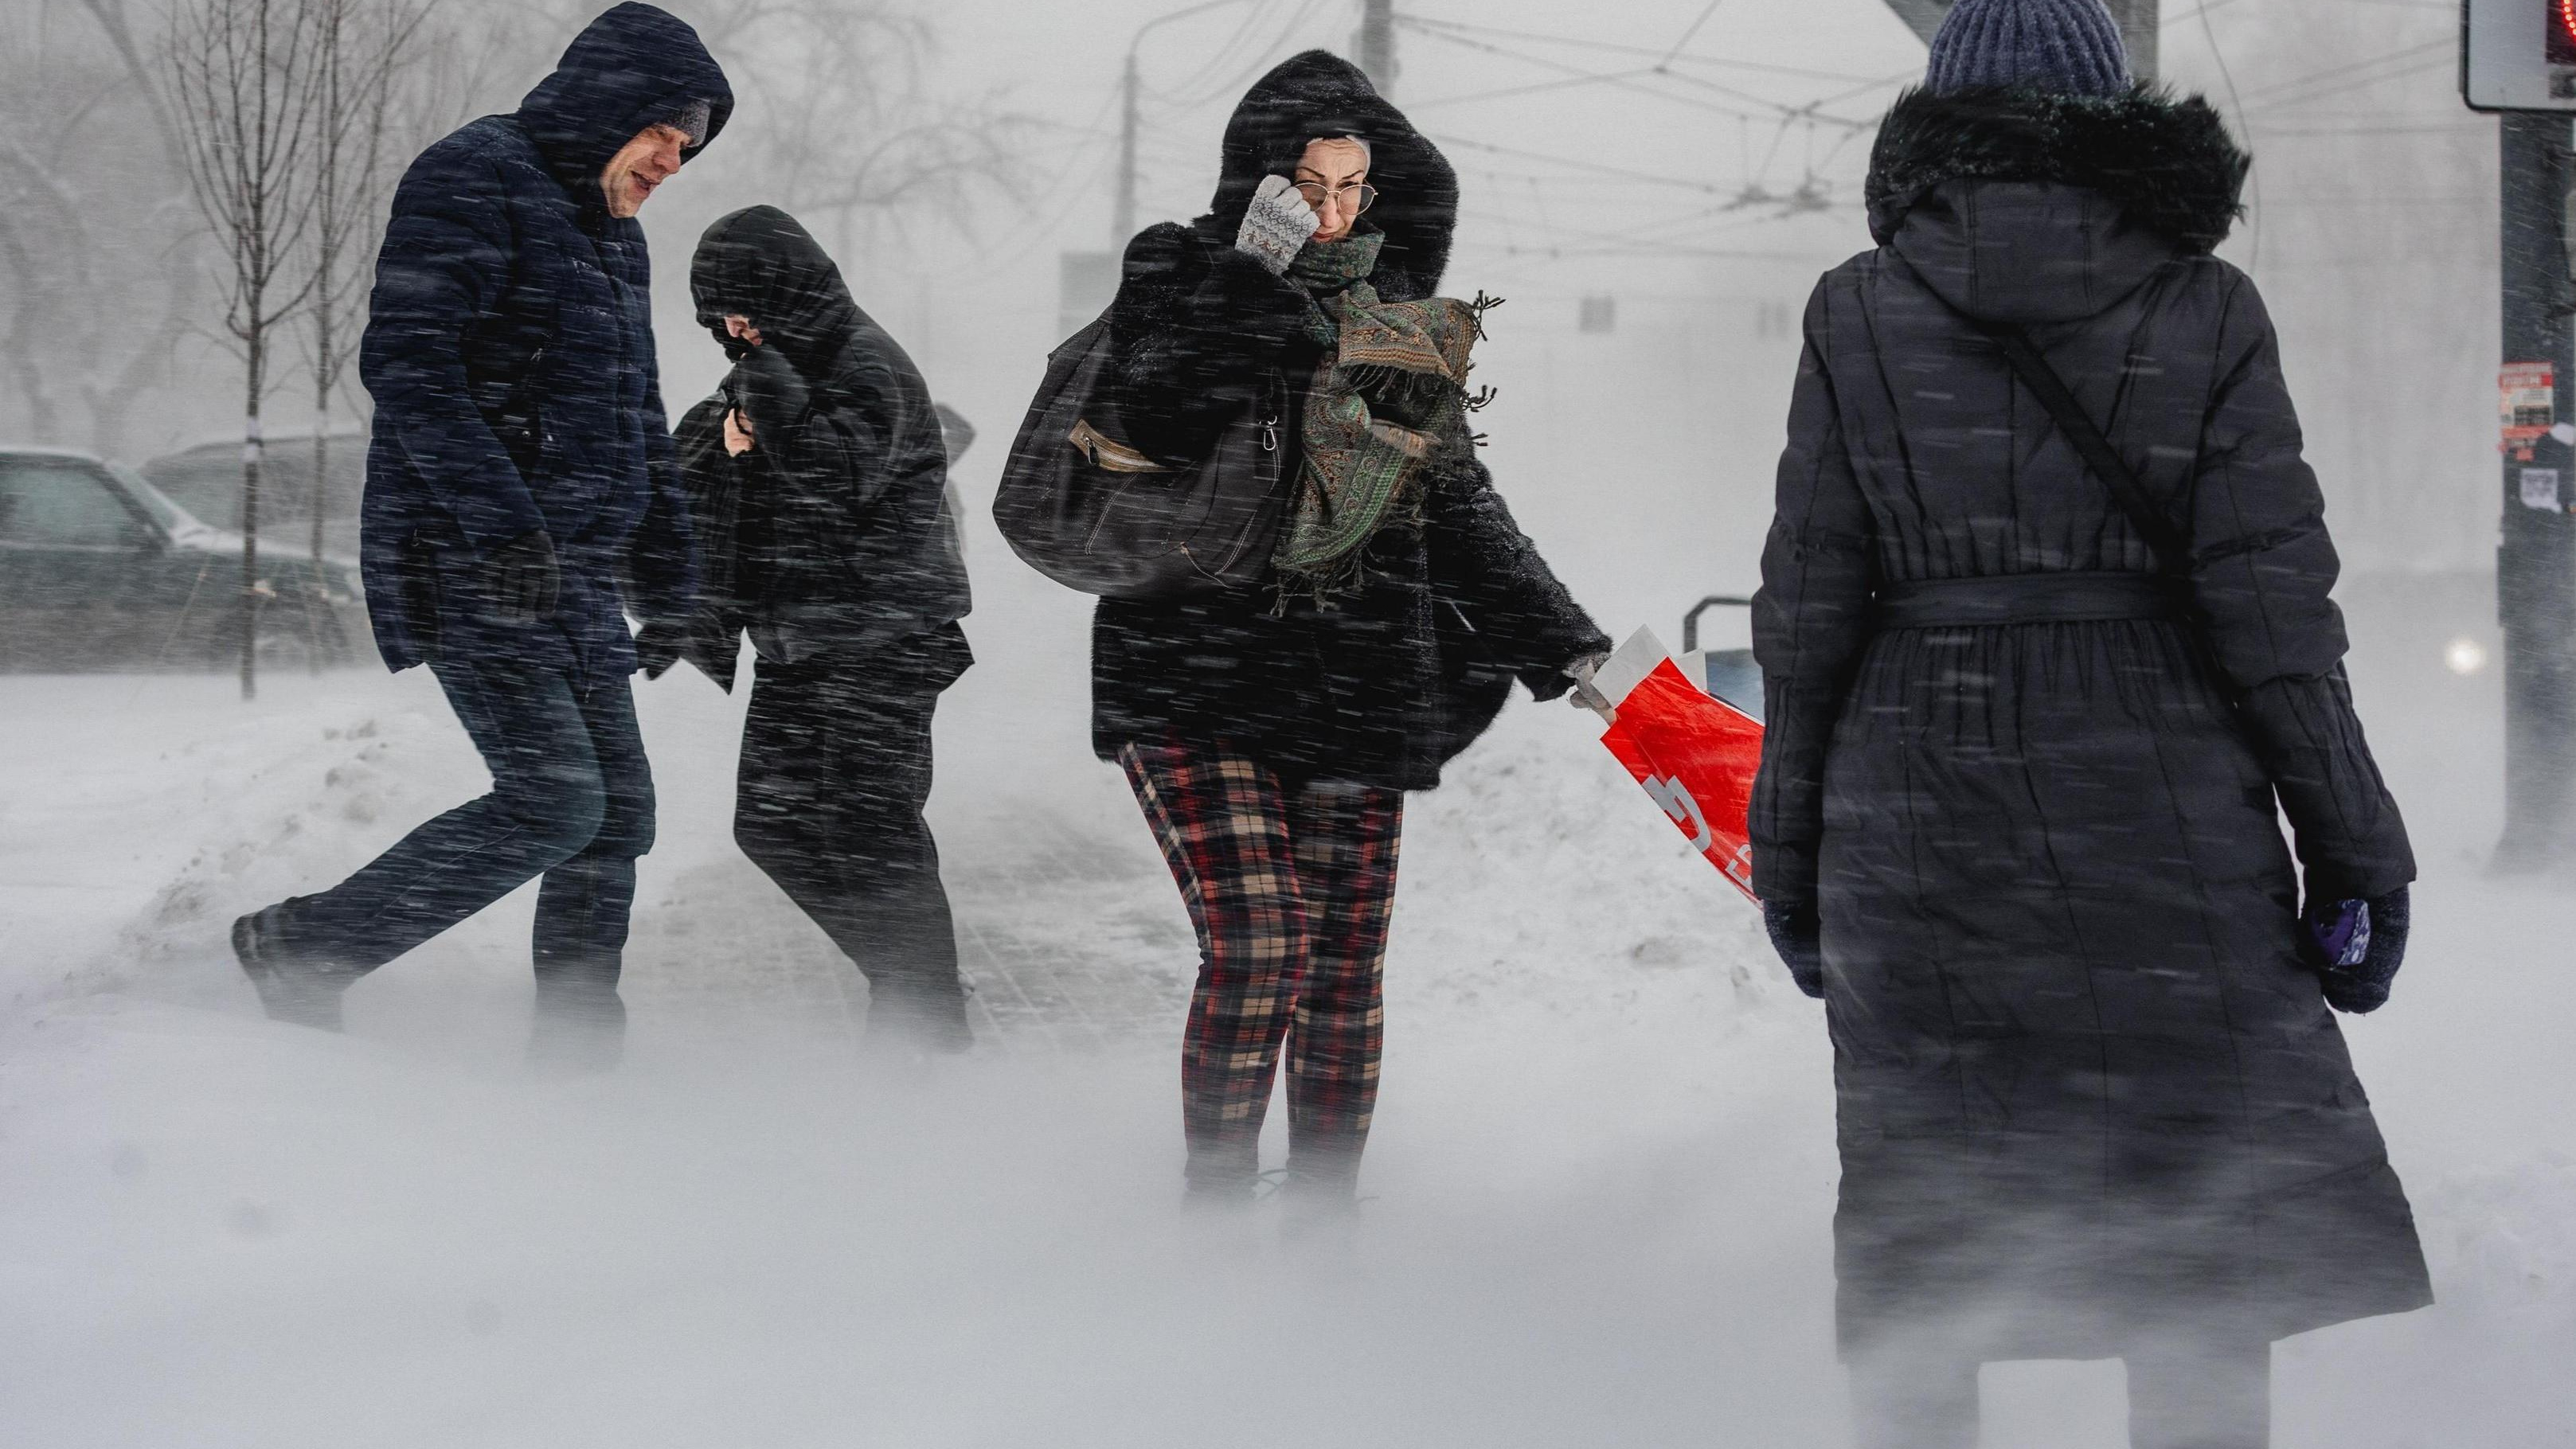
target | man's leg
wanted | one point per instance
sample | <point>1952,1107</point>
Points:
<point>2210,1394</point>
<point>836,767</point>
<point>545,805</point>
<point>1224,832</point>
<point>1345,839</point>
<point>583,907</point>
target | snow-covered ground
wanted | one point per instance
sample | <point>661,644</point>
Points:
<point>1601,1182</point>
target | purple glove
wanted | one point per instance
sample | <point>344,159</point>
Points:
<point>2356,948</point>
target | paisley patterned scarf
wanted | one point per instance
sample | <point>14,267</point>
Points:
<point>1389,396</point>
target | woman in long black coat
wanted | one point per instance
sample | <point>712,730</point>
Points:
<point>1270,734</point>
<point>2016,819</point>
<point>819,480</point>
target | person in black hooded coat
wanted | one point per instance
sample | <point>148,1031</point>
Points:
<point>520,498</point>
<point>819,481</point>
<point>1270,734</point>
<point>2016,821</point>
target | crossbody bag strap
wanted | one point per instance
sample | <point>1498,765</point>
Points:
<point>2171,550</point>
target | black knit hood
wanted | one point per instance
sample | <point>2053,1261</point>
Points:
<point>634,66</point>
<point>1320,94</point>
<point>2167,164</point>
<point>760,263</point>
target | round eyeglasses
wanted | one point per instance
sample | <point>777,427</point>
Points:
<point>1357,197</point>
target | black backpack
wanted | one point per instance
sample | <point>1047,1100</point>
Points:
<point>1090,512</point>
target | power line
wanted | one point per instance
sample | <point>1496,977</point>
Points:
<point>1570,76</point>
<point>1687,35</point>
<point>1601,168</point>
<point>2254,262</point>
<point>1612,47</point>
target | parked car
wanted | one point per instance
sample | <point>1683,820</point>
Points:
<point>100,570</point>
<point>206,481</point>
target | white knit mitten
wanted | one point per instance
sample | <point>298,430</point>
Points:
<point>1276,225</point>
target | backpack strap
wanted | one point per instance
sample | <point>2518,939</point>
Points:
<point>2171,550</point>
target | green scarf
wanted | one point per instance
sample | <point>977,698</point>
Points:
<point>1389,396</point>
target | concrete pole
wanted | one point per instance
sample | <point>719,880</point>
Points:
<point>1122,216</point>
<point>2536,558</point>
<point>1377,44</point>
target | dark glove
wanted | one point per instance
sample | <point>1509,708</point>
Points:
<point>702,638</point>
<point>769,390</point>
<point>2356,948</point>
<point>525,580</point>
<point>660,646</point>
<point>1798,935</point>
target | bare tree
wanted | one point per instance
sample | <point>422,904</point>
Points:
<point>846,125</point>
<point>360,48</point>
<point>246,74</point>
<point>91,204</point>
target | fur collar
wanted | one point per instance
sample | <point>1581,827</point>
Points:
<point>2167,163</point>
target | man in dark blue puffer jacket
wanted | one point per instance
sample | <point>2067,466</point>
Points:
<point>521,498</point>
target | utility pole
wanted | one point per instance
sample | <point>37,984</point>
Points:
<point>2139,21</point>
<point>2536,555</point>
<point>2520,61</point>
<point>1122,216</point>
<point>1376,44</point>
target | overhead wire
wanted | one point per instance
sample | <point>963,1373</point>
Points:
<point>2217,52</point>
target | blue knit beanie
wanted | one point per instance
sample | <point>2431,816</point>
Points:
<point>2064,47</point>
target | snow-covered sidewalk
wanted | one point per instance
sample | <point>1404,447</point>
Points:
<point>1601,1183</point>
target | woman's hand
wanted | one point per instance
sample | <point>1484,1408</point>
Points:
<point>1797,933</point>
<point>2356,948</point>
<point>1276,226</point>
<point>1586,694</point>
<point>737,433</point>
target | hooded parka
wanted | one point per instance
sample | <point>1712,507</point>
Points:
<point>833,535</point>
<point>1383,686</point>
<point>509,351</point>
<point>2088,1089</point>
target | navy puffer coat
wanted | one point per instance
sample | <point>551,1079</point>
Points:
<point>2088,1091</point>
<point>509,350</point>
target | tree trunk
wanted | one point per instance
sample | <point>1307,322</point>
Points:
<point>251,451</point>
<point>315,603</point>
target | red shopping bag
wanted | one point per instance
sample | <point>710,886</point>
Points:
<point>1694,753</point>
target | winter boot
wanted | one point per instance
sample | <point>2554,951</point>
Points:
<point>580,1024</point>
<point>1320,1201</point>
<point>293,987</point>
<point>1222,1176</point>
<point>917,1019</point>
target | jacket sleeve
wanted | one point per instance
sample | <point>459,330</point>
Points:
<point>846,434</point>
<point>1810,623</point>
<point>1490,571</point>
<point>1194,329</point>
<point>707,482</point>
<point>445,261</point>
<point>663,555</point>
<point>2263,570</point>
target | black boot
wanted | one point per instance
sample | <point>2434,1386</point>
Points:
<point>580,1023</point>
<point>1320,1200</point>
<point>293,987</point>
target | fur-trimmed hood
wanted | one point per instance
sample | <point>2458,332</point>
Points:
<point>2166,163</point>
<point>2023,207</point>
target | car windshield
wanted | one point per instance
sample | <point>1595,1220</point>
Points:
<point>169,515</point>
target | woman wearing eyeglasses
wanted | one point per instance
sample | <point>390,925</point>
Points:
<point>1270,734</point>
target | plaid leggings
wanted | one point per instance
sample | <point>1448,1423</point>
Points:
<point>1291,886</point>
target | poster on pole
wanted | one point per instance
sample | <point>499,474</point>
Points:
<point>2528,405</point>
